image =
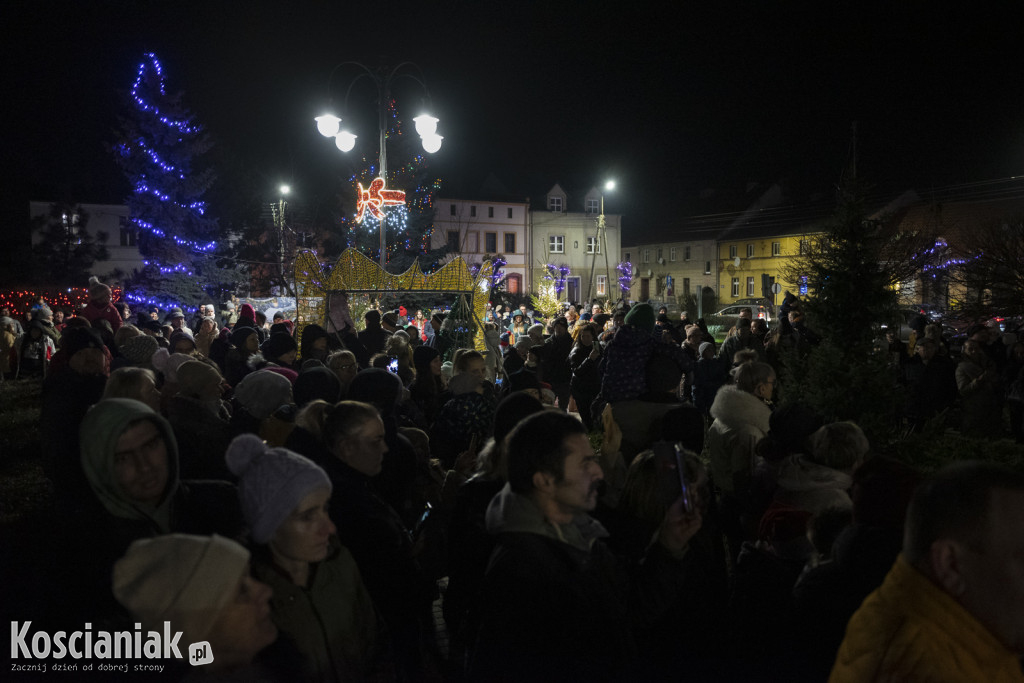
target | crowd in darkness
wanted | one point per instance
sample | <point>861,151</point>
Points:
<point>595,496</point>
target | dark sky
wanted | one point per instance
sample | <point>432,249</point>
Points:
<point>669,98</point>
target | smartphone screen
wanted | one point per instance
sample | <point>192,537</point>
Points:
<point>681,471</point>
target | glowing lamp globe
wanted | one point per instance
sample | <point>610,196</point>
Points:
<point>610,185</point>
<point>432,143</point>
<point>328,125</point>
<point>426,125</point>
<point>345,141</point>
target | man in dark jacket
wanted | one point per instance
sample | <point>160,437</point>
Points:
<point>556,604</point>
<point>556,361</point>
<point>374,337</point>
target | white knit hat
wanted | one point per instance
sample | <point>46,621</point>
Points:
<point>271,483</point>
<point>186,580</point>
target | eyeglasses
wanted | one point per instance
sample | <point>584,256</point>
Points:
<point>346,366</point>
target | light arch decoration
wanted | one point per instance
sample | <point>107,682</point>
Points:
<point>353,273</point>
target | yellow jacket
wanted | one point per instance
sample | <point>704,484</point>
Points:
<point>911,630</point>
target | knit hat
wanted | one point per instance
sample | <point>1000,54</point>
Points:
<point>262,392</point>
<point>705,345</point>
<point>42,313</point>
<point>287,373</point>
<point>246,311</point>
<point>278,344</point>
<point>168,365</point>
<point>180,335</point>
<point>523,379</point>
<point>194,376</point>
<point>423,356</point>
<point>97,289</point>
<point>271,483</point>
<point>139,350</point>
<point>316,383</point>
<point>185,580</point>
<point>641,316</point>
<point>240,334</point>
<point>79,338</point>
<point>390,319</point>
<point>524,344</point>
<point>463,384</point>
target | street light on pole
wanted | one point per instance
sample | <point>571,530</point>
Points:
<point>278,211</point>
<point>329,125</point>
<point>601,242</point>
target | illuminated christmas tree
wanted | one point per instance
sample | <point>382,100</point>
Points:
<point>159,147</point>
<point>409,224</point>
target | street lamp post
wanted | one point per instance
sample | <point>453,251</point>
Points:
<point>279,210</point>
<point>601,242</point>
<point>329,125</point>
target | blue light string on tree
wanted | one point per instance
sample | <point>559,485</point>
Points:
<point>184,126</point>
<point>625,269</point>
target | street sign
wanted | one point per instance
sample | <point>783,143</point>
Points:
<point>776,288</point>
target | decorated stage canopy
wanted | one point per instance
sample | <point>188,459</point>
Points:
<point>323,298</point>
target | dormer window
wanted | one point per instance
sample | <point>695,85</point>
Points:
<point>555,204</point>
<point>593,205</point>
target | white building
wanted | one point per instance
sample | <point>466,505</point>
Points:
<point>474,229</point>
<point>564,238</point>
<point>111,219</point>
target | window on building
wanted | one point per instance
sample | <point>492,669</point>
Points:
<point>453,240</point>
<point>750,251</point>
<point>686,286</point>
<point>490,212</point>
<point>510,212</point>
<point>451,210</point>
<point>491,242</point>
<point>750,286</point>
<point>660,254</point>
<point>127,237</point>
<point>707,267</point>
<point>593,245</point>
<point>554,203</point>
<point>686,253</point>
<point>805,247</point>
<point>735,287</point>
<point>776,248</point>
<point>671,253</point>
<point>602,285</point>
<point>593,205</point>
<point>510,242</point>
<point>472,212</point>
<point>556,244</point>
<point>646,258</point>
<point>732,251</point>
<point>625,257</point>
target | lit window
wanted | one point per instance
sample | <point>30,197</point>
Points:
<point>602,285</point>
<point>735,287</point>
<point>776,248</point>
<point>750,286</point>
<point>556,244</point>
<point>593,246</point>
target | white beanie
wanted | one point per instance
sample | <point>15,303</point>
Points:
<point>271,483</point>
<point>262,392</point>
<point>186,580</point>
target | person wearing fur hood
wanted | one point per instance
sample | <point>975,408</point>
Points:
<point>741,412</point>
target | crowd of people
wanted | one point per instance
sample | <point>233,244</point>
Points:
<point>597,496</point>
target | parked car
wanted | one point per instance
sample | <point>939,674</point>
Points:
<point>758,302</point>
<point>758,311</point>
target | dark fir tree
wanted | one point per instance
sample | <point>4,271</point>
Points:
<point>66,250</point>
<point>160,148</point>
<point>409,226</point>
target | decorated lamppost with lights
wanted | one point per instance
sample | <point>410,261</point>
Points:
<point>601,243</point>
<point>374,196</point>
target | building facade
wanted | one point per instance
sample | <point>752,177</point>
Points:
<point>673,270</point>
<point>477,230</point>
<point>112,219</point>
<point>571,241</point>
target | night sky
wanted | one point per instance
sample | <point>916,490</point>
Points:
<point>668,98</point>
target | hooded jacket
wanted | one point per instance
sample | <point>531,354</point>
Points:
<point>556,604</point>
<point>741,420</point>
<point>812,487</point>
<point>911,630</point>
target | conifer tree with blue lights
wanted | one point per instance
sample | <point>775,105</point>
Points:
<point>409,226</point>
<point>160,147</point>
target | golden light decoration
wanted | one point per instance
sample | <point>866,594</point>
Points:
<point>354,273</point>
